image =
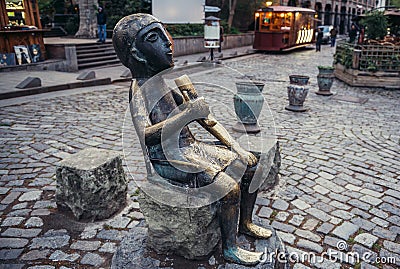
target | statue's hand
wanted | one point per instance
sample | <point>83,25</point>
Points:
<point>247,157</point>
<point>198,108</point>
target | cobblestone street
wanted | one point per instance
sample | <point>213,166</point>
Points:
<point>339,176</point>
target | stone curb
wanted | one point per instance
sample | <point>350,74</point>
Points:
<point>53,88</point>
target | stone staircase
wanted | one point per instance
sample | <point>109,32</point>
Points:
<point>91,55</point>
<point>55,32</point>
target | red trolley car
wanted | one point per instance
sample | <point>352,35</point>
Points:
<point>280,28</point>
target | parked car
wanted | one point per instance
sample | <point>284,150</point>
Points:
<point>326,29</point>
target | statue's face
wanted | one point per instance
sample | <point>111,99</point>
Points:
<point>154,44</point>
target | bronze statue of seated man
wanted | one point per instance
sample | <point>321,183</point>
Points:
<point>144,46</point>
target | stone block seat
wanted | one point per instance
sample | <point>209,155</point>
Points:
<point>179,226</point>
<point>92,184</point>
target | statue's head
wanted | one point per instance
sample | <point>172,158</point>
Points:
<point>143,45</point>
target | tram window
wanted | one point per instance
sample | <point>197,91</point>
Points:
<point>274,21</point>
<point>266,21</point>
<point>288,19</point>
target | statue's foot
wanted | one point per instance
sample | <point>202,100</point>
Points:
<point>255,231</point>
<point>241,256</point>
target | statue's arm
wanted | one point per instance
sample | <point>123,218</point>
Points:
<point>212,125</point>
<point>219,131</point>
<point>178,97</point>
<point>173,125</point>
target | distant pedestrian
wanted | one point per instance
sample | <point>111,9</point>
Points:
<point>361,36</point>
<point>320,35</point>
<point>353,33</point>
<point>333,33</point>
<point>101,25</point>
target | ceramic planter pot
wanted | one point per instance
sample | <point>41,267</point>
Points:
<point>297,95</point>
<point>324,84</point>
<point>298,80</point>
<point>325,81</point>
<point>248,103</point>
<point>327,70</point>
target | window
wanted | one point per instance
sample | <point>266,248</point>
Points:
<point>275,21</point>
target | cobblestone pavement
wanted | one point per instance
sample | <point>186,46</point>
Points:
<point>339,175</point>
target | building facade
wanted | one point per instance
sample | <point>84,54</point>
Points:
<point>336,12</point>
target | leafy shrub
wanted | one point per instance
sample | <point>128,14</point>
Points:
<point>177,30</point>
<point>112,20</point>
<point>376,25</point>
<point>116,10</point>
<point>72,25</point>
<point>233,30</point>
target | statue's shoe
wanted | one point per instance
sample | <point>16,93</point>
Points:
<point>241,256</point>
<point>255,231</point>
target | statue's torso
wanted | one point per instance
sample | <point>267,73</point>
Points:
<point>190,150</point>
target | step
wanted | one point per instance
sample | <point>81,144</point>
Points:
<point>86,51</point>
<point>94,49</point>
<point>97,64</point>
<point>97,59</point>
<point>93,45</point>
<point>96,54</point>
<point>54,32</point>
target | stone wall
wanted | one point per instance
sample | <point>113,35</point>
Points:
<point>195,44</point>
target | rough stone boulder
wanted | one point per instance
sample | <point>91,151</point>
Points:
<point>191,232</point>
<point>91,183</point>
<point>267,149</point>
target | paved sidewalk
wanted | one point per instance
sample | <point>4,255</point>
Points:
<point>63,80</point>
<point>339,177</point>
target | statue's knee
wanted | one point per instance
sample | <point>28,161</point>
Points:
<point>234,194</point>
<point>228,185</point>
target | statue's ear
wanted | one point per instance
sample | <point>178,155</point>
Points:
<point>136,56</point>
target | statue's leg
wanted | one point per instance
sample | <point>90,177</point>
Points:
<point>229,217</point>
<point>247,202</point>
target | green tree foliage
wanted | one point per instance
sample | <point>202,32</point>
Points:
<point>46,7</point>
<point>72,25</point>
<point>177,30</point>
<point>376,25</point>
<point>117,9</point>
<point>395,3</point>
<point>244,13</point>
<point>59,6</point>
